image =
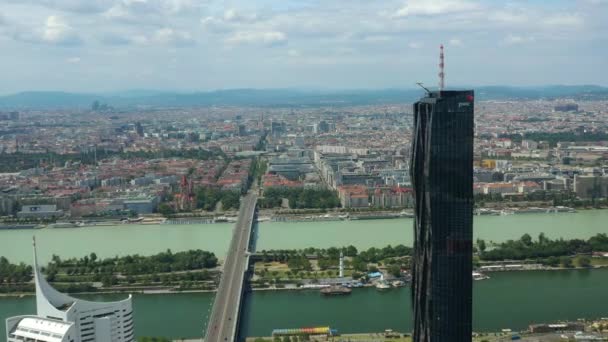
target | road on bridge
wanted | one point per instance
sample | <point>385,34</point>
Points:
<point>222,323</point>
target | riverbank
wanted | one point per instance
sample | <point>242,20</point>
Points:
<point>280,215</point>
<point>508,300</point>
<point>285,287</point>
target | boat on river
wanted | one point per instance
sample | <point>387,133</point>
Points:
<point>383,285</point>
<point>479,276</point>
<point>66,225</point>
<point>335,290</point>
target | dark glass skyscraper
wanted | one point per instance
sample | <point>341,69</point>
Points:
<point>442,176</point>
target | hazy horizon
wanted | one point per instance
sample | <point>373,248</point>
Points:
<point>186,45</point>
<point>118,92</point>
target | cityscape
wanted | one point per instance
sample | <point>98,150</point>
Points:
<point>280,212</point>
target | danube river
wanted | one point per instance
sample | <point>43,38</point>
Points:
<point>512,299</point>
<point>109,241</point>
<point>507,300</point>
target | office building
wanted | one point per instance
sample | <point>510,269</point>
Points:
<point>61,318</point>
<point>442,178</point>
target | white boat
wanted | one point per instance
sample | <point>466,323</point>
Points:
<point>479,276</point>
<point>382,285</point>
<point>398,283</point>
<point>220,219</point>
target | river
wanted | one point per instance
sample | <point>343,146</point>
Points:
<point>109,241</point>
<point>512,299</point>
<point>507,300</point>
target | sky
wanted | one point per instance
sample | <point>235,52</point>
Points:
<point>199,45</point>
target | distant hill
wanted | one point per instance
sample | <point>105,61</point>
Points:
<point>279,97</point>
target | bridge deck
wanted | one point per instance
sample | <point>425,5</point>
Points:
<point>223,322</point>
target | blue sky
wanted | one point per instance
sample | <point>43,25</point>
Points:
<point>108,45</point>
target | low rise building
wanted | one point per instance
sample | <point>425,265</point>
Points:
<point>39,329</point>
<point>393,198</point>
<point>42,211</point>
<point>353,196</point>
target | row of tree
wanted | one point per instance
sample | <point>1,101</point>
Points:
<point>554,137</point>
<point>11,273</point>
<point>543,247</point>
<point>133,264</point>
<point>299,198</point>
<point>207,198</point>
<point>297,260</point>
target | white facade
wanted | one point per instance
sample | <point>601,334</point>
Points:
<point>34,328</point>
<point>90,321</point>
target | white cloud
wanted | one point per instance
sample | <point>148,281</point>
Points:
<point>170,36</point>
<point>54,31</point>
<point>73,60</point>
<point>143,11</point>
<point>509,17</point>
<point>215,25</point>
<point>455,42</point>
<point>58,31</point>
<point>118,11</point>
<point>434,7</point>
<point>75,6</point>
<point>345,42</point>
<point>377,38</point>
<point>161,36</point>
<point>139,39</point>
<point>267,38</point>
<point>231,15</point>
<point>564,20</point>
<point>181,6</point>
<point>515,39</point>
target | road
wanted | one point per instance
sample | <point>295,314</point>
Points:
<point>223,321</point>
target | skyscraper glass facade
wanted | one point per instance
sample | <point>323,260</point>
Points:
<point>442,176</point>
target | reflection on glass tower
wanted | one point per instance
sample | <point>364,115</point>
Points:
<point>442,177</point>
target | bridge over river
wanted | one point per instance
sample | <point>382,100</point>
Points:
<point>223,322</point>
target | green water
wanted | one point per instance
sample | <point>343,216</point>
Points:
<point>109,241</point>
<point>149,239</point>
<point>507,300</point>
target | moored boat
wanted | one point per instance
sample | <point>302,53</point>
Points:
<point>335,290</point>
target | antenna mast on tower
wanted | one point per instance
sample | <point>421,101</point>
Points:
<point>441,69</point>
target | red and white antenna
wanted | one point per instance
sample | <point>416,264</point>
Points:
<point>441,69</point>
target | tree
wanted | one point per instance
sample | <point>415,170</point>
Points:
<point>481,244</point>
<point>583,261</point>
<point>395,270</point>
<point>566,262</point>
<point>108,281</point>
<point>552,261</point>
<point>526,239</point>
<point>350,251</point>
<point>165,210</point>
<point>542,239</point>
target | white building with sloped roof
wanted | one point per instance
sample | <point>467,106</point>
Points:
<point>76,320</point>
<point>34,328</point>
